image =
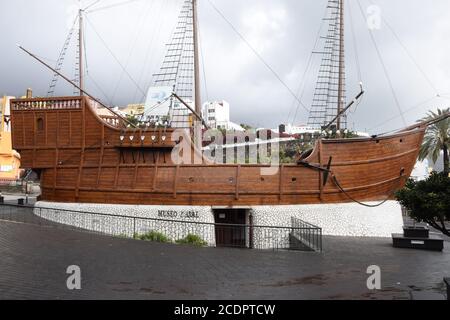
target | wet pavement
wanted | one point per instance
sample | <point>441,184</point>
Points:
<point>34,260</point>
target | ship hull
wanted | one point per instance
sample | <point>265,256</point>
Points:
<point>85,158</point>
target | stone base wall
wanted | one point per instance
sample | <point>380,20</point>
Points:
<point>176,222</point>
<point>349,219</point>
<point>162,219</point>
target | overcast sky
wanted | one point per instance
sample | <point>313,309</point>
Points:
<point>283,32</point>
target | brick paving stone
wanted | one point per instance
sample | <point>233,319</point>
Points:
<point>33,263</point>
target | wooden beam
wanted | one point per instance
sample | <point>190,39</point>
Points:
<point>83,148</point>
<point>281,181</point>
<point>175,183</point>
<point>102,152</point>
<point>238,173</point>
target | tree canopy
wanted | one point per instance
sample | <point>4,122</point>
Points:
<point>428,201</point>
<point>437,139</point>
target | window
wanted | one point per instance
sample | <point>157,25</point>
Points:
<point>40,124</point>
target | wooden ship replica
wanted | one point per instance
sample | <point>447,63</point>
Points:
<point>84,157</point>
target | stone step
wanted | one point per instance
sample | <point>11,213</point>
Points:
<point>433,243</point>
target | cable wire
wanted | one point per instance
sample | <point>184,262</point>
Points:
<point>258,55</point>
<point>385,70</point>
<point>112,6</point>
<point>355,47</point>
<point>138,26</point>
<point>203,64</point>
<point>408,53</point>
<point>114,56</point>
<point>302,86</point>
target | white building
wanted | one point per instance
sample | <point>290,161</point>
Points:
<point>217,116</point>
<point>421,170</point>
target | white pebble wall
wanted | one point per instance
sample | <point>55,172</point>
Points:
<point>337,220</point>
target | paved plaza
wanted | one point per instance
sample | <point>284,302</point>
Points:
<point>34,260</point>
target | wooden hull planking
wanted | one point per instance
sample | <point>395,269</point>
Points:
<point>87,158</point>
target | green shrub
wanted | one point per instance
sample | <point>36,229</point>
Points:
<point>428,201</point>
<point>194,240</point>
<point>154,237</point>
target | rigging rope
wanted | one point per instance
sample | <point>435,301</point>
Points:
<point>149,53</point>
<point>151,61</point>
<point>114,56</point>
<point>385,70</point>
<point>419,68</point>
<point>60,61</point>
<point>91,5</point>
<point>355,47</point>
<point>139,24</point>
<point>357,59</point>
<point>112,6</point>
<point>203,63</point>
<point>359,202</point>
<point>336,181</point>
<point>302,85</point>
<point>100,89</point>
<point>258,55</point>
<point>406,111</point>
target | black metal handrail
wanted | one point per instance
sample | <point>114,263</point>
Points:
<point>307,233</point>
<point>166,230</point>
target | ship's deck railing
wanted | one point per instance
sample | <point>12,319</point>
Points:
<point>114,121</point>
<point>169,231</point>
<point>46,104</point>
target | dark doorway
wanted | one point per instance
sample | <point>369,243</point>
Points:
<point>230,229</point>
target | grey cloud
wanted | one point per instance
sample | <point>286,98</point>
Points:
<point>233,72</point>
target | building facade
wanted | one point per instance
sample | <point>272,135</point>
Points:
<point>9,158</point>
<point>217,116</point>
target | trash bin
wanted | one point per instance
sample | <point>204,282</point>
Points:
<point>2,199</point>
<point>20,202</point>
<point>447,282</point>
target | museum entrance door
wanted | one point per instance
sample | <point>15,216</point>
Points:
<point>230,228</point>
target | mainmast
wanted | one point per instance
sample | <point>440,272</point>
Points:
<point>341,85</point>
<point>180,71</point>
<point>197,99</point>
<point>81,51</point>
<point>330,94</point>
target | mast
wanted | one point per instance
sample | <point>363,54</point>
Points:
<point>81,53</point>
<point>197,99</point>
<point>329,99</point>
<point>341,84</point>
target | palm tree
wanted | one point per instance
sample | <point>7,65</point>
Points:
<point>437,139</point>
